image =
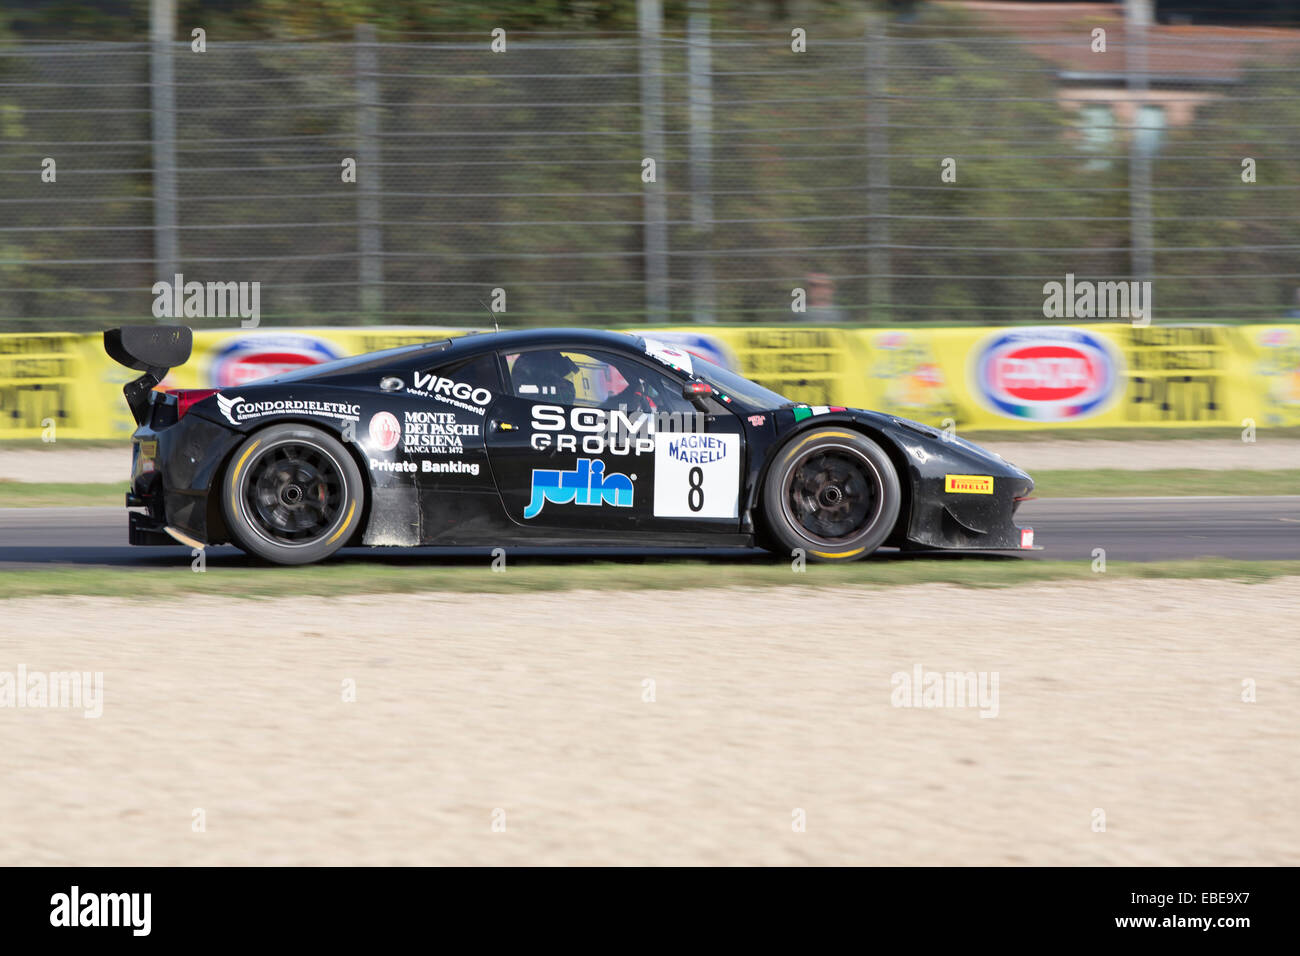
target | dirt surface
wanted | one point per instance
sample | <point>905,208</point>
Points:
<point>54,464</point>
<point>1115,696</point>
<point>1146,455</point>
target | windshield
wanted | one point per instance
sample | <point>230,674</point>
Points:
<point>751,393</point>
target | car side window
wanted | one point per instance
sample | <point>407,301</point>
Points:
<point>593,379</point>
<point>478,372</point>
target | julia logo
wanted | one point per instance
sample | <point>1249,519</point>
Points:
<point>385,431</point>
<point>587,484</point>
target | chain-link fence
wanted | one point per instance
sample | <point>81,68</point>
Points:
<point>936,170</point>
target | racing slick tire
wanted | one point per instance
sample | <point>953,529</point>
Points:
<point>833,493</point>
<point>292,494</point>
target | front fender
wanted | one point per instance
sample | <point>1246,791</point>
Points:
<point>962,495</point>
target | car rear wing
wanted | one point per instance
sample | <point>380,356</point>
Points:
<point>152,349</point>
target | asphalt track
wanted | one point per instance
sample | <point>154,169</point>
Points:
<point>1129,529</point>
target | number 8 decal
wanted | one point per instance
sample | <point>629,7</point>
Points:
<point>686,463</point>
<point>695,498</point>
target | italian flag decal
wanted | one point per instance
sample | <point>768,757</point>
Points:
<point>803,412</point>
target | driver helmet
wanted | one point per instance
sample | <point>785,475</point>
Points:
<point>543,368</point>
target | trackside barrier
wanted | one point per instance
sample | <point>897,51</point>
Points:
<point>1095,376</point>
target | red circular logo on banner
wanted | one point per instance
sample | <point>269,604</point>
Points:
<point>246,358</point>
<point>1046,374</point>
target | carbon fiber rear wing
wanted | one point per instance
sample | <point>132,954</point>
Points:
<point>152,349</point>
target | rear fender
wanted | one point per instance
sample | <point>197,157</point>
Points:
<point>216,514</point>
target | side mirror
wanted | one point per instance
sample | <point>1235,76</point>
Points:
<point>696,389</point>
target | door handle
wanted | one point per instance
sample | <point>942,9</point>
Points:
<point>500,426</point>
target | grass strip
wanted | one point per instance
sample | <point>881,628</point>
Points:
<point>237,578</point>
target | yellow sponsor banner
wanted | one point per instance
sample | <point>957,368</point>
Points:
<point>228,359</point>
<point>1086,376</point>
<point>1271,363</point>
<point>814,365</point>
<point>63,385</point>
<point>1098,375</point>
<point>60,385</point>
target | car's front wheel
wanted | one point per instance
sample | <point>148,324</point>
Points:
<point>292,494</point>
<point>832,493</point>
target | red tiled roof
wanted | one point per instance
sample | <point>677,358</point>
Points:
<point>1193,52</point>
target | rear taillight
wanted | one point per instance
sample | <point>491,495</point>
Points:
<point>185,397</point>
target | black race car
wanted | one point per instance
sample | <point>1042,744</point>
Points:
<point>551,437</point>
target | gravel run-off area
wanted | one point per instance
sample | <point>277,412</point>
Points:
<point>642,727</point>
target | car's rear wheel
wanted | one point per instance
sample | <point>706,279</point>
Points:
<point>292,494</point>
<point>832,493</point>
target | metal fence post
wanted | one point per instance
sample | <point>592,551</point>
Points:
<point>370,244</point>
<point>1137,16</point>
<point>699,63</point>
<point>878,285</point>
<point>162,93</point>
<point>650,21</point>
